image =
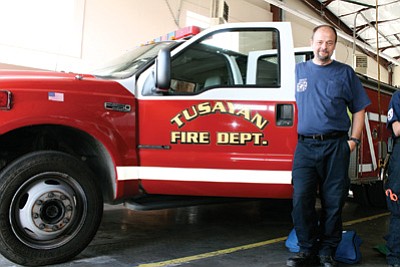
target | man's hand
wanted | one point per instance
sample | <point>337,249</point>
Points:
<point>352,145</point>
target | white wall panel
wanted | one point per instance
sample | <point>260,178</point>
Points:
<point>74,34</point>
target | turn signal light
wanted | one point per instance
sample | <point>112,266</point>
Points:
<point>5,99</point>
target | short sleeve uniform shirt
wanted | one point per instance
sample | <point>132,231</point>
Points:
<point>324,94</point>
<point>393,110</point>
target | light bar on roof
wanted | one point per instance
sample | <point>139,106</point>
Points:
<point>182,33</point>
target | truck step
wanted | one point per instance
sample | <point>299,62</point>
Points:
<point>156,202</point>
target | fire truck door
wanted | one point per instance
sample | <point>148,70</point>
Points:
<point>227,125</point>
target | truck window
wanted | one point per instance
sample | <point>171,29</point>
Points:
<point>234,58</point>
<point>302,56</point>
<point>131,62</point>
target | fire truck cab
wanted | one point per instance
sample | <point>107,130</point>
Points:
<point>225,125</point>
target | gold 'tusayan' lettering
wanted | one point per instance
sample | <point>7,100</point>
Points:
<point>207,108</point>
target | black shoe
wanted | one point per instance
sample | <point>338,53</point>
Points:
<point>327,261</point>
<point>302,259</point>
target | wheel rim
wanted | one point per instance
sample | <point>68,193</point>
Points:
<point>48,210</point>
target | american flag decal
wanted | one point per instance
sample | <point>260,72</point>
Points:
<point>53,96</point>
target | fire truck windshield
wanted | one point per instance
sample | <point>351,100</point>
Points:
<point>131,62</point>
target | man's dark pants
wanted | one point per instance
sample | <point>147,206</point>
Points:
<point>393,203</point>
<point>320,166</point>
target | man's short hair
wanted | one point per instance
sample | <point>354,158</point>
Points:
<point>324,26</point>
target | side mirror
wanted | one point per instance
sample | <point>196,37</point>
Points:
<point>163,70</point>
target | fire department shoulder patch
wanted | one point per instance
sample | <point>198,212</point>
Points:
<point>390,114</point>
<point>302,85</point>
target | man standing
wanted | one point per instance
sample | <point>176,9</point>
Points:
<point>392,185</point>
<point>325,90</point>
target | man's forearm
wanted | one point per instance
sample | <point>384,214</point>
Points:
<point>358,124</point>
<point>396,128</point>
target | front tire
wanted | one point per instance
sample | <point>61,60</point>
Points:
<point>50,208</point>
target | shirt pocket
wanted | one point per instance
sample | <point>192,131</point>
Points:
<point>334,90</point>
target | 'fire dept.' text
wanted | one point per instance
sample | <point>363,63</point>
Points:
<point>222,138</point>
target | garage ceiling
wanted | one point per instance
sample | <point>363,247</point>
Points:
<point>358,18</point>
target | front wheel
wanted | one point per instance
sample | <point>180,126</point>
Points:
<point>50,208</point>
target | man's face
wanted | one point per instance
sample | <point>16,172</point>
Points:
<point>323,45</point>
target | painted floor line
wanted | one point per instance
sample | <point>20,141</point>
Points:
<point>370,218</point>
<point>178,261</point>
<point>212,254</point>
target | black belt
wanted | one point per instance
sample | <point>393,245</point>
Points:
<point>321,137</point>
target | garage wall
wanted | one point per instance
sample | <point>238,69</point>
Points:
<point>396,76</point>
<point>98,30</point>
<point>111,29</point>
<point>40,32</point>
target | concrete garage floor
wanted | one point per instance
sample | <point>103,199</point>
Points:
<point>245,234</point>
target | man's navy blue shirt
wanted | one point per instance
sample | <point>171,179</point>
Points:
<point>324,94</point>
<point>393,110</point>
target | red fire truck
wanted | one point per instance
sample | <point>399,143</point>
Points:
<point>176,122</point>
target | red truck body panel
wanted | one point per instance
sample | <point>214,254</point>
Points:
<point>214,137</point>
